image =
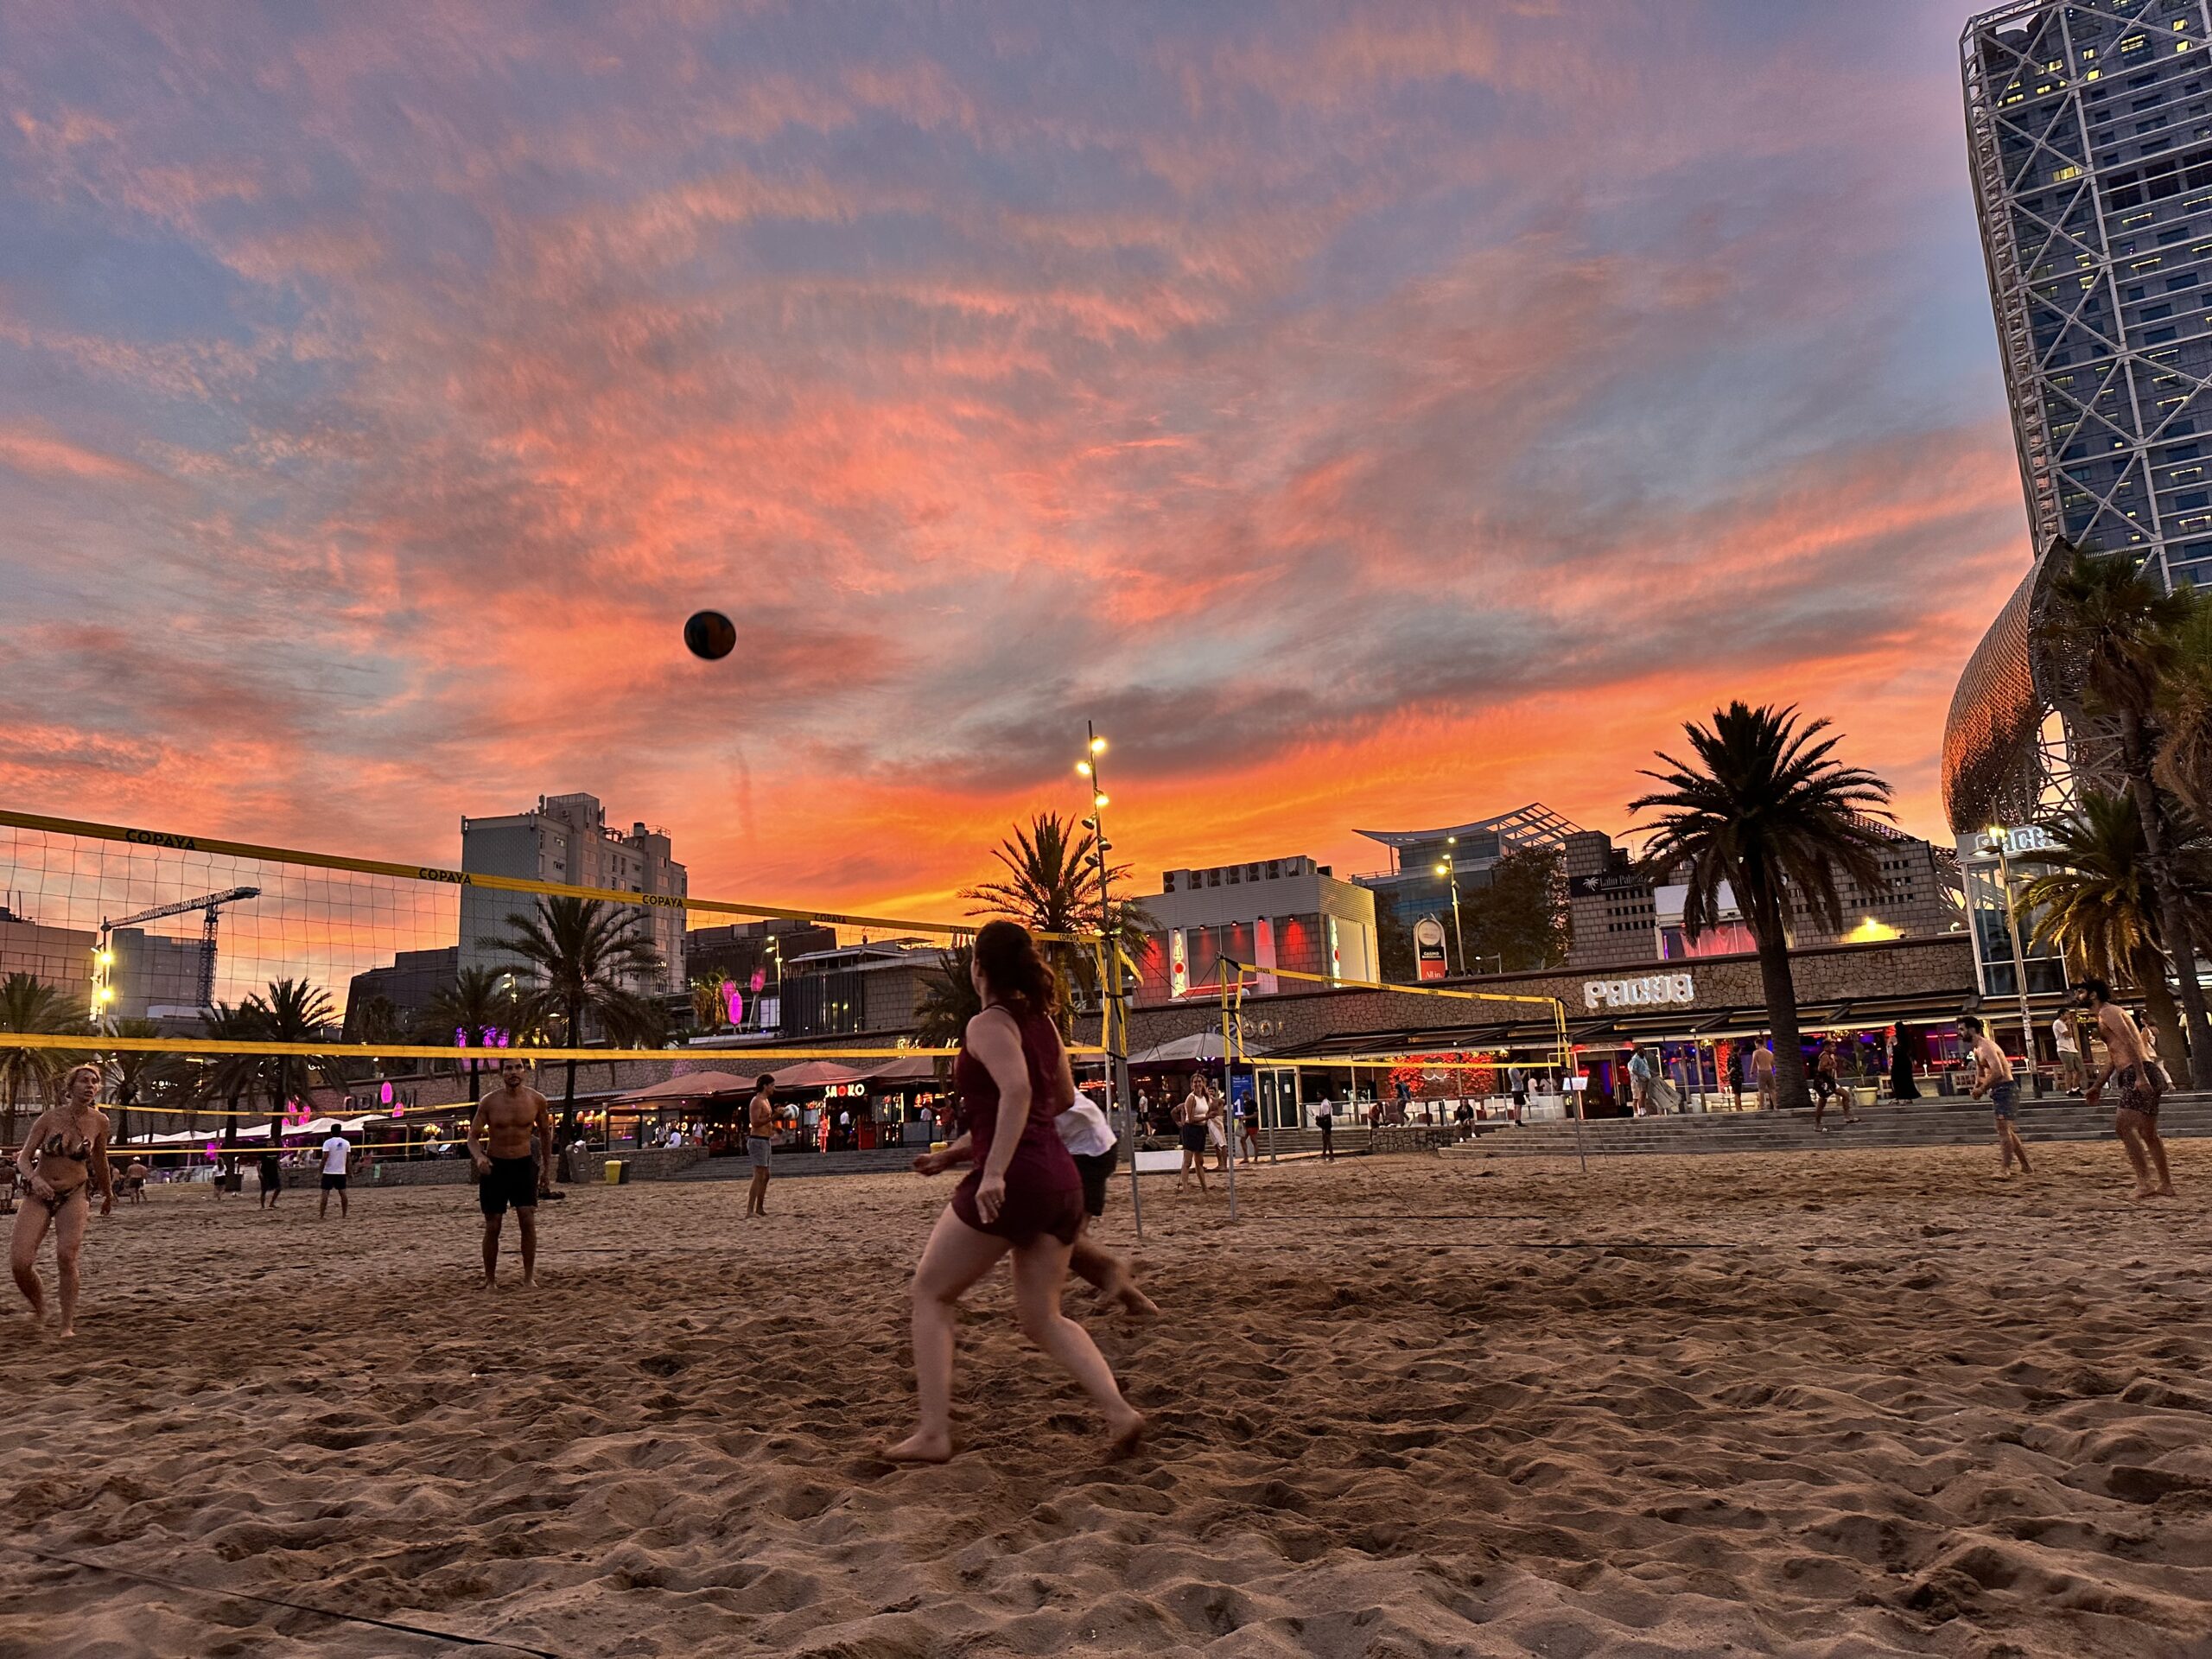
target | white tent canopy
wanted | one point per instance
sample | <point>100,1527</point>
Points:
<point>1200,1045</point>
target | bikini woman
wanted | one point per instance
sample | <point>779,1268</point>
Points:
<point>1023,1197</point>
<point>62,1160</point>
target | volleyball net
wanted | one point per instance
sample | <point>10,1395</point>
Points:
<point>226,982</point>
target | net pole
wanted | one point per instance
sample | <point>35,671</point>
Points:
<point>1566,1060</point>
<point>1228,1091</point>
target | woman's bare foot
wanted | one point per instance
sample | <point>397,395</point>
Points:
<point>1124,1430</point>
<point>921,1447</point>
<point>2144,1192</point>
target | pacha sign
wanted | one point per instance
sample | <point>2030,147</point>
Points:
<point>1652,991</point>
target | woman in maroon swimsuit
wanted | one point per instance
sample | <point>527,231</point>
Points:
<point>1024,1194</point>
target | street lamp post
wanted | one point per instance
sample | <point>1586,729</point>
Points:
<point>1119,1098</point>
<point>1450,872</point>
<point>1993,841</point>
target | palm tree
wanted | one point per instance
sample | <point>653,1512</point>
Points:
<point>2117,627</point>
<point>296,1011</point>
<point>232,1077</point>
<point>2095,901</point>
<point>480,1009</point>
<point>1766,810</point>
<point>583,954</point>
<point>30,1006</point>
<point>137,1072</point>
<point>2184,711</point>
<point>948,1000</point>
<point>1053,886</point>
<point>710,1002</point>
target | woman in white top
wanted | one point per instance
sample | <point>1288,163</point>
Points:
<point>1091,1142</point>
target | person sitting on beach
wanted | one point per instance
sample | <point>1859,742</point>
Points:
<point>62,1160</point>
<point>2135,1117</point>
<point>510,1123</point>
<point>1190,1118</point>
<point>1993,1077</point>
<point>1024,1195</point>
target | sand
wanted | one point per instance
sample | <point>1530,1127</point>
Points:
<point>1407,1406</point>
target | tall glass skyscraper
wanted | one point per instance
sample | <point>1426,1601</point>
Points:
<point>2090,131</point>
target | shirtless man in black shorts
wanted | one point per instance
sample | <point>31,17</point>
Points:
<point>2135,1117</point>
<point>500,1146</point>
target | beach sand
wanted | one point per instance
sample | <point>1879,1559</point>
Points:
<point>1840,1404</point>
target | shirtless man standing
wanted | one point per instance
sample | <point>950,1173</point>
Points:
<point>1763,1073</point>
<point>506,1168</point>
<point>2135,1117</point>
<point>1993,1075</point>
<point>761,1143</point>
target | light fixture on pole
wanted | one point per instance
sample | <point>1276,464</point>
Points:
<point>1446,869</point>
<point>1115,1024</point>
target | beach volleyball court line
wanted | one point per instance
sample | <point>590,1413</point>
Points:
<point>279,1601</point>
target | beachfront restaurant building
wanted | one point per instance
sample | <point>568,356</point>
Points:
<point>1697,1017</point>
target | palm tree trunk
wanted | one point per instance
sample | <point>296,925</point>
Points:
<point>2173,914</point>
<point>1780,990</point>
<point>2150,973</point>
<point>8,1127</point>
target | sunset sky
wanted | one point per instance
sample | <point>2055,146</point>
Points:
<point>1372,416</point>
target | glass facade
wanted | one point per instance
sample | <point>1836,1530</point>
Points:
<point>2090,133</point>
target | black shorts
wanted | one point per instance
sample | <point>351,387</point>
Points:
<point>1096,1168</point>
<point>513,1181</point>
<point>333,1183</point>
<point>1194,1137</point>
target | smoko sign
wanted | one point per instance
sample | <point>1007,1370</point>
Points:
<point>1652,991</point>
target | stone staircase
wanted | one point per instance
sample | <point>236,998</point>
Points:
<point>1934,1122</point>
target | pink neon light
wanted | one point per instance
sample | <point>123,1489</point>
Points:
<point>735,1005</point>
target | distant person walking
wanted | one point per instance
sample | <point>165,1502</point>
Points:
<point>761,1143</point>
<point>1024,1195</point>
<point>1901,1086</point>
<point>2071,1073</point>
<point>1247,1125</point>
<point>1993,1077</point>
<point>2135,1114</point>
<point>271,1172</point>
<point>1324,1119</point>
<point>336,1153</point>
<point>1763,1074</point>
<point>1639,1079</point>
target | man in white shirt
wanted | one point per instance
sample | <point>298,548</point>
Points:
<point>2069,1052</point>
<point>335,1152</point>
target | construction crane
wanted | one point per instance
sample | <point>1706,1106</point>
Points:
<point>212,903</point>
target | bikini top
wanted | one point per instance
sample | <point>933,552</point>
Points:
<point>57,1146</point>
